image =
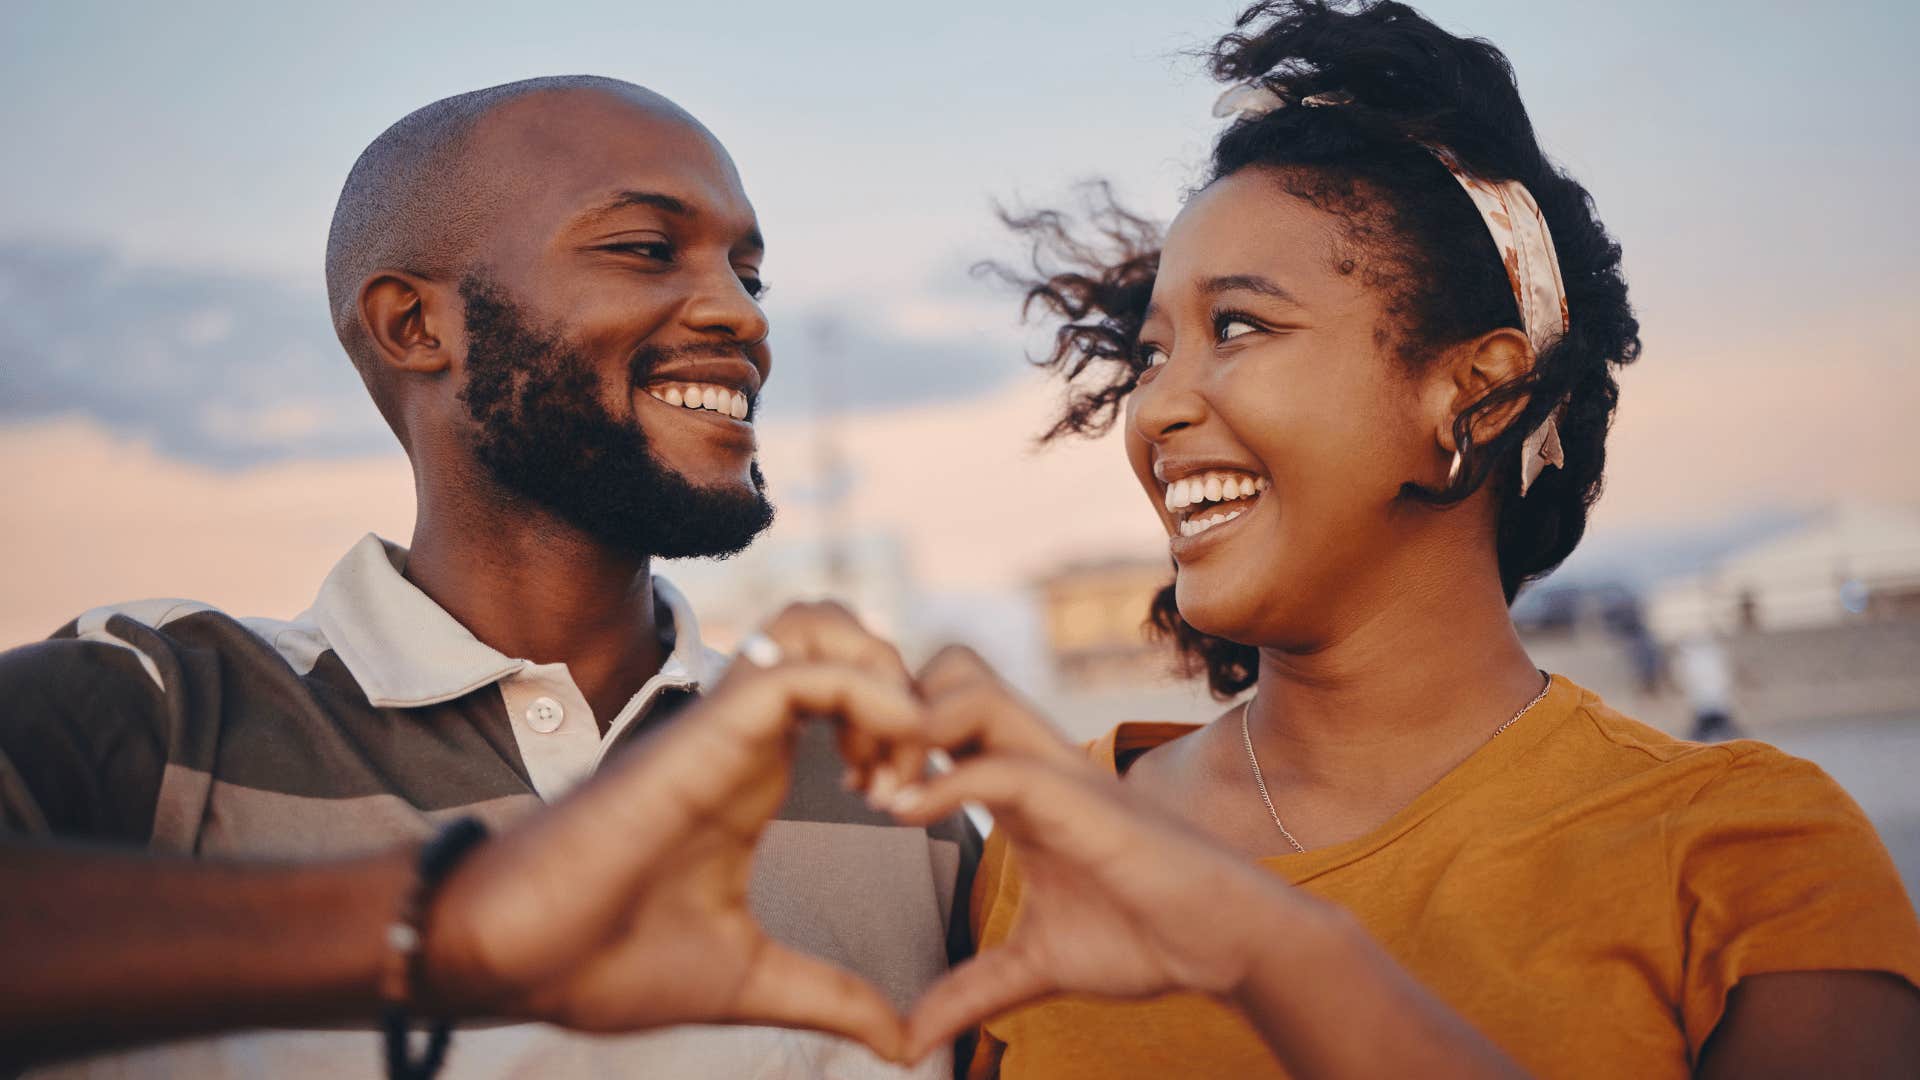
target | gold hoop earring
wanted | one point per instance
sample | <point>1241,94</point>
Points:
<point>1453,470</point>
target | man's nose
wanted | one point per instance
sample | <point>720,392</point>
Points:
<point>720,305</point>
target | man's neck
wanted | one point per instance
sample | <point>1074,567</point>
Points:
<point>537,589</point>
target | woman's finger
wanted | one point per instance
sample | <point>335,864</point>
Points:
<point>978,990</point>
<point>970,709</point>
<point>1026,797</point>
<point>790,989</point>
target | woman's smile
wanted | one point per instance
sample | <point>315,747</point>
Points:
<point>1205,504</point>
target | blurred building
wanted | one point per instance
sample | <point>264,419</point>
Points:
<point>1822,622</point>
<point>868,571</point>
<point>1597,635</point>
<point>1104,668</point>
<point>1095,616</point>
<point>1845,567</point>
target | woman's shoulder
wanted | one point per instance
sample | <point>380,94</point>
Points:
<point>1119,747</point>
<point>1601,745</point>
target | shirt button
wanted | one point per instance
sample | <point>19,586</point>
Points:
<point>544,715</point>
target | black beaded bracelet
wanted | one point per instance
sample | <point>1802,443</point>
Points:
<point>405,938</point>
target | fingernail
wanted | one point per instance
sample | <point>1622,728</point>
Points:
<point>907,799</point>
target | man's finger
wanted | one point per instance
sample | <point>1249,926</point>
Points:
<point>739,736</point>
<point>790,989</point>
<point>828,631</point>
<point>770,702</point>
<point>978,990</point>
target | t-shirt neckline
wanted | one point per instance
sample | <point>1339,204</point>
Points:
<point>1563,697</point>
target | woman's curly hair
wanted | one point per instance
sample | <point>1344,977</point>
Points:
<point>1407,86</point>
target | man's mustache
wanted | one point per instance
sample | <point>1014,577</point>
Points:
<point>649,358</point>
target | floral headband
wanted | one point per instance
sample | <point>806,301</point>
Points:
<point>1519,233</point>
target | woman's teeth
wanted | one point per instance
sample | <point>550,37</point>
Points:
<point>1214,487</point>
<point>703,396</point>
<point>1194,527</point>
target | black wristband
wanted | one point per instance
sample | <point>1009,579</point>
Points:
<point>407,937</point>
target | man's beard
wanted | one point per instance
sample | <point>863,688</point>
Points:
<point>546,436</point>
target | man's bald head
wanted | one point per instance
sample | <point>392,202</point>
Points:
<point>420,200</point>
<point>519,273</point>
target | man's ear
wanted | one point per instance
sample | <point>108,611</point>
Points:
<point>411,321</point>
<point>1472,370</point>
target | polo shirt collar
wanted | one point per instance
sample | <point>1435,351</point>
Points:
<point>406,651</point>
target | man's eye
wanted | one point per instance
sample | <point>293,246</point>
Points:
<point>1152,356</point>
<point>659,250</point>
<point>754,286</point>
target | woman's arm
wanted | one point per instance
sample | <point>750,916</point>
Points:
<point>1121,900</point>
<point>1124,901</point>
<point>1816,1023</point>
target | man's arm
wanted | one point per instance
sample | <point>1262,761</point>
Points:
<point>617,909</point>
<point>109,948</point>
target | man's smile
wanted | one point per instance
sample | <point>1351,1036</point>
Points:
<point>702,396</point>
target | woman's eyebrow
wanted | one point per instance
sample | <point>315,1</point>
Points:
<point>1252,283</point>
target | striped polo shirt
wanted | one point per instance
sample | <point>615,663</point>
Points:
<point>373,717</point>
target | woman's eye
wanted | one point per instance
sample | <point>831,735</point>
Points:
<point>1232,328</point>
<point>754,286</point>
<point>1151,356</point>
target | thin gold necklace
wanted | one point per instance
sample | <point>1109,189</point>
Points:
<point>1259,779</point>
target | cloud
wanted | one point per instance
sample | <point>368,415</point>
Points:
<point>214,368</point>
<point>231,370</point>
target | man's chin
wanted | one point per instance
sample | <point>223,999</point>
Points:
<point>717,536</point>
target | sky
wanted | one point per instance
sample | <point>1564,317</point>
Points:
<point>167,370</point>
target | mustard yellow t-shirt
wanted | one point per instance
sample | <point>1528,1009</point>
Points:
<point>1584,889</point>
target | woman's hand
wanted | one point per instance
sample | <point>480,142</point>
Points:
<point>625,906</point>
<point>1116,899</point>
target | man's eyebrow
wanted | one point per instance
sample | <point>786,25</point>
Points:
<point>1252,283</point>
<point>752,241</point>
<point>655,199</point>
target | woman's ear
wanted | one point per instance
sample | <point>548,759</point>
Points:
<point>409,321</point>
<point>1471,371</point>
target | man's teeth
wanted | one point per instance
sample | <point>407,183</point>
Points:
<point>703,396</point>
<point>1213,487</point>
<point>1196,526</point>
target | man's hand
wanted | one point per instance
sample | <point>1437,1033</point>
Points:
<point>625,906</point>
